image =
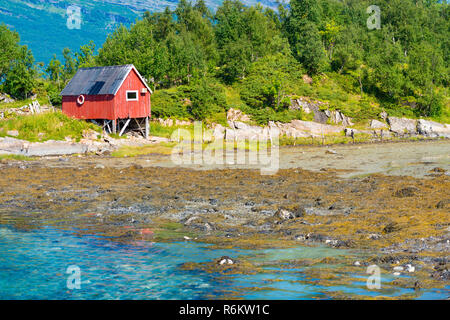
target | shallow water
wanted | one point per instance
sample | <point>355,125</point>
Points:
<point>33,265</point>
<point>414,159</point>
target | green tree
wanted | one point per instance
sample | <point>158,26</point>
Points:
<point>69,64</point>
<point>206,99</point>
<point>426,71</point>
<point>303,34</point>
<point>271,81</point>
<point>243,36</point>
<point>9,48</point>
<point>20,79</point>
<point>55,70</point>
<point>85,57</point>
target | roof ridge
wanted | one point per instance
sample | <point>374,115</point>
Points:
<point>105,67</point>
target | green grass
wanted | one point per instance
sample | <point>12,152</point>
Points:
<point>233,97</point>
<point>158,130</point>
<point>164,148</point>
<point>117,136</point>
<point>17,157</point>
<point>326,140</point>
<point>220,118</point>
<point>46,126</point>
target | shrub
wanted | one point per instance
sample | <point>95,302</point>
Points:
<point>196,101</point>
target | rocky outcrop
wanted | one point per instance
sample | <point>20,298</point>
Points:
<point>48,148</point>
<point>322,116</point>
<point>382,133</point>
<point>5,98</point>
<point>243,131</point>
<point>288,130</point>
<point>314,128</point>
<point>218,132</point>
<point>236,115</point>
<point>375,124</point>
<point>433,129</point>
<point>293,129</point>
<point>337,117</point>
<point>402,125</point>
<point>310,106</point>
<point>89,144</point>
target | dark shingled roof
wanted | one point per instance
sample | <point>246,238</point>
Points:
<point>99,80</point>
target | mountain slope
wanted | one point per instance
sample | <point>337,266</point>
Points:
<point>42,24</point>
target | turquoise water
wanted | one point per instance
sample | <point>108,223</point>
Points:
<point>33,265</point>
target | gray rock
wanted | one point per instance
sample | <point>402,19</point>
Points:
<point>5,98</point>
<point>433,129</point>
<point>443,204</point>
<point>236,115</point>
<point>337,117</point>
<point>55,148</point>
<point>315,128</point>
<point>190,220</point>
<point>375,124</point>
<point>241,131</point>
<point>402,125</point>
<point>284,214</point>
<point>374,236</point>
<point>241,125</point>
<point>406,192</point>
<point>11,145</point>
<point>13,133</point>
<point>225,260</point>
<point>219,132</point>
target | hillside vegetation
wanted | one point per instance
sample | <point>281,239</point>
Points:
<point>201,63</point>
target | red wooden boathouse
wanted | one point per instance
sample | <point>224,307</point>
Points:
<point>113,95</point>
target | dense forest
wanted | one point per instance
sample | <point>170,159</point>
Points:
<point>201,63</point>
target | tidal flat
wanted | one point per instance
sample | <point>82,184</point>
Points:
<point>315,225</point>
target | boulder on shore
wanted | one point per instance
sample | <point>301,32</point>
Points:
<point>315,128</point>
<point>402,125</point>
<point>433,129</point>
<point>5,98</point>
<point>375,124</point>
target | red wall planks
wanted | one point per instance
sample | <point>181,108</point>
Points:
<point>94,107</point>
<point>132,109</point>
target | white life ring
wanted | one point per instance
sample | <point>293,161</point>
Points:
<point>80,99</point>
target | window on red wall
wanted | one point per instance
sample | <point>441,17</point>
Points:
<point>132,95</point>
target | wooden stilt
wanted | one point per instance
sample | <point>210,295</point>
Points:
<point>124,127</point>
<point>139,127</point>
<point>106,126</point>
<point>147,128</point>
<point>114,126</point>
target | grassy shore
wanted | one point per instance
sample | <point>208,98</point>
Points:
<point>45,126</point>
